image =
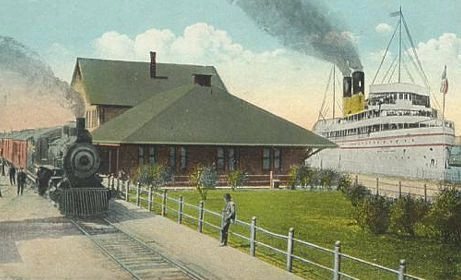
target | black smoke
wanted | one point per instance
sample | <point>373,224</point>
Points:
<point>305,26</point>
<point>25,81</point>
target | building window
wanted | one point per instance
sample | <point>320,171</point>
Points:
<point>140,155</point>
<point>231,161</point>
<point>172,158</point>
<point>152,156</point>
<point>277,159</point>
<point>220,158</point>
<point>272,159</point>
<point>266,159</point>
<point>183,159</point>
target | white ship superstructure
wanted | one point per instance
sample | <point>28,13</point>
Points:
<point>399,134</point>
<point>394,132</point>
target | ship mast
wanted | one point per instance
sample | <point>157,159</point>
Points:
<point>334,89</point>
<point>414,59</point>
<point>400,43</point>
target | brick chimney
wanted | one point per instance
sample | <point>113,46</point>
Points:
<point>153,65</point>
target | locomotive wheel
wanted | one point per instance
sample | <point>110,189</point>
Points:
<point>82,160</point>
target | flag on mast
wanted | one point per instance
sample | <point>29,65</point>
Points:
<point>444,83</point>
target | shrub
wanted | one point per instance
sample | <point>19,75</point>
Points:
<point>445,215</point>
<point>405,213</point>
<point>344,183</point>
<point>327,178</point>
<point>236,178</point>
<point>372,213</point>
<point>155,175</point>
<point>355,193</point>
<point>204,178</point>
<point>301,176</point>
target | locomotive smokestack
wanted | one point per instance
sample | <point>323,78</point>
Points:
<point>153,65</point>
<point>347,85</point>
<point>79,125</point>
<point>358,78</point>
<point>83,135</point>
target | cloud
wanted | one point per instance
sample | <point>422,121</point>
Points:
<point>383,28</point>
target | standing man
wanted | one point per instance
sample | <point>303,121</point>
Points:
<point>12,173</point>
<point>21,180</point>
<point>227,218</point>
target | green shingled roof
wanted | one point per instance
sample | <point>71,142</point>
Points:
<point>126,83</point>
<point>196,115</point>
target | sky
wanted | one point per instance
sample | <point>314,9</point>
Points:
<point>254,64</point>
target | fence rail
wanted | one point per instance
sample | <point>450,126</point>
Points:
<point>259,239</point>
<point>395,187</point>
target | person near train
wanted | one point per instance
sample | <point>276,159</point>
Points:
<point>21,180</point>
<point>12,173</point>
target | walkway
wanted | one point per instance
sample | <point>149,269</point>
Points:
<point>38,243</point>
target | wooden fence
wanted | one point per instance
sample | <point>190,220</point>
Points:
<point>397,187</point>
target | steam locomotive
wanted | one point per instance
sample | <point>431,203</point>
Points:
<point>79,191</point>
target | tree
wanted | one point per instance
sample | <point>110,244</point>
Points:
<point>301,176</point>
<point>405,213</point>
<point>445,215</point>
<point>204,178</point>
<point>154,176</point>
<point>236,178</point>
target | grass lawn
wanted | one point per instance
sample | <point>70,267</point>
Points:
<point>323,218</point>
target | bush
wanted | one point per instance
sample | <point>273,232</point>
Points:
<point>355,193</point>
<point>301,176</point>
<point>445,215</point>
<point>327,178</point>
<point>405,213</point>
<point>236,178</point>
<point>372,213</point>
<point>204,178</point>
<point>155,175</point>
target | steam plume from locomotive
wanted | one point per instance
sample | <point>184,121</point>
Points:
<point>304,26</point>
<point>28,86</point>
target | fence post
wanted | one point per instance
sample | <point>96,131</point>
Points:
<point>253,237</point>
<point>200,217</point>
<point>377,185</point>
<point>112,183</point>
<point>138,194</point>
<point>290,244</point>
<point>402,270</point>
<point>400,189</point>
<point>356,180</point>
<point>127,190</point>
<point>425,192</point>
<point>271,179</point>
<point>164,203</point>
<point>337,260</point>
<point>180,207</point>
<point>118,187</point>
<point>149,200</point>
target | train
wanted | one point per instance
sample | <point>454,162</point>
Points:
<point>64,163</point>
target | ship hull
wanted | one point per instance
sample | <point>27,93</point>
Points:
<point>415,153</point>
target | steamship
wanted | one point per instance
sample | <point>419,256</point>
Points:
<point>393,132</point>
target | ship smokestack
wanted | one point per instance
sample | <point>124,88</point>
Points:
<point>358,84</point>
<point>347,85</point>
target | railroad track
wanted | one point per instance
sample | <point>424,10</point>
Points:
<point>133,255</point>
